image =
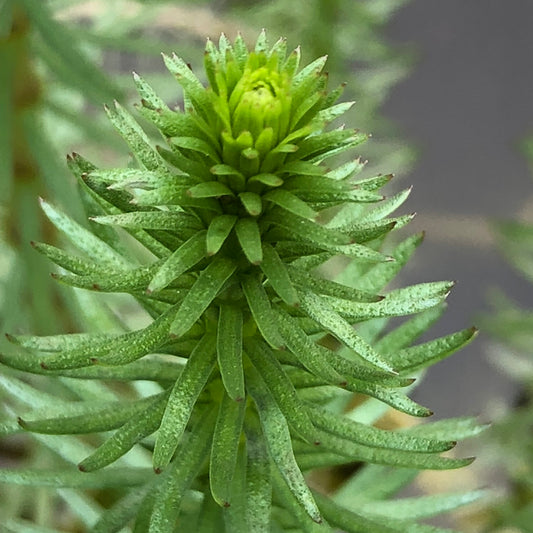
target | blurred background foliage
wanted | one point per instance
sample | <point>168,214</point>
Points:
<point>511,325</point>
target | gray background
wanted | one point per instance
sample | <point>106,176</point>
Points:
<point>467,105</point>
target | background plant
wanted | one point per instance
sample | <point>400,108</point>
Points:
<point>238,173</point>
<point>511,325</point>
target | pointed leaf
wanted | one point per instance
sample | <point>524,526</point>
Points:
<point>114,351</point>
<point>251,202</point>
<point>306,350</point>
<point>197,145</point>
<point>217,233</point>
<point>134,135</point>
<point>452,428</point>
<point>190,83</point>
<point>330,288</point>
<point>123,440</point>
<point>107,280</point>
<point>249,237</point>
<point>280,388</point>
<point>91,418</point>
<point>163,220</point>
<point>65,260</point>
<point>420,507</point>
<point>311,232</point>
<point>291,203</point>
<point>182,400</point>
<point>112,477</point>
<point>210,189</point>
<point>229,351</point>
<point>422,355</point>
<point>353,522</point>
<point>408,300</point>
<point>278,276</point>
<point>368,454</point>
<point>259,304</point>
<point>409,331</point>
<point>201,294</point>
<point>319,311</point>
<point>258,478</point>
<point>181,474</point>
<point>224,450</point>
<point>82,238</point>
<point>279,444</point>
<point>381,274</point>
<point>343,427</point>
<point>185,257</point>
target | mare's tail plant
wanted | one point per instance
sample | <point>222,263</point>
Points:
<point>242,378</point>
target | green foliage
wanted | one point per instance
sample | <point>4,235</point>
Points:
<point>511,326</point>
<point>250,351</point>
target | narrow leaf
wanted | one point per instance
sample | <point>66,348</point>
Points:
<point>420,507</point>
<point>181,474</point>
<point>278,276</point>
<point>218,231</point>
<point>91,418</point>
<point>417,357</point>
<point>185,257</point>
<point>374,437</point>
<point>249,237</point>
<point>182,400</point>
<point>279,444</point>
<point>201,294</point>
<point>319,311</point>
<point>251,202</point>
<point>291,203</point>
<point>82,238</point>
<point>224,450</point>
<point>163,220</point>
<point>210,189</point>
<point>259,304</point>
<point>330,288</point>
<point>281,388</point>
<point>111,478</point>
<point>123,440</point>
<point>258,478</point>
<point>136,138</point>
<point>229,350</point>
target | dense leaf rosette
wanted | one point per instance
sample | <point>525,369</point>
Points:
<point>248,341</point>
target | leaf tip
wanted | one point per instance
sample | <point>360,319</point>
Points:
<point>11,338</point>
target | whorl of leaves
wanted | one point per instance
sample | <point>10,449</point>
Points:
<point>237,211</point>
